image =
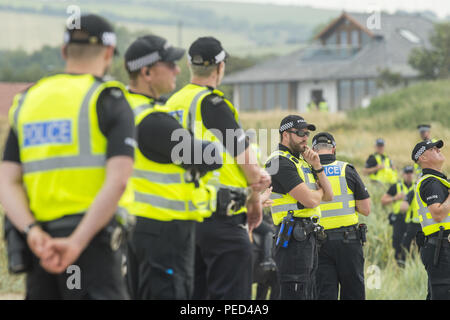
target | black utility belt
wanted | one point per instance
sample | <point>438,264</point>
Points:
<point>344,235</point>
<point>435,241</point>
<point>240,218</point>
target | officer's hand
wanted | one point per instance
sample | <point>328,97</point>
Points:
<point>67,252</point>
<point>264,182</point>
<point>312,158</point>
<point>37,240</point>
<point>254,214</point>
<point>380,166</point>
<point>265,201</point>
<point>400,196</point>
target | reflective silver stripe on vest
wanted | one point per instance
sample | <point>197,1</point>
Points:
<point>310,185</point>
<point>343,198</point>
<point>138,110</point>
<point>193,110</point>
<point>164,203</point>
<point>157,177</point>
<point>85,157</point>
<point>274,196</point>
<point>285,207</point>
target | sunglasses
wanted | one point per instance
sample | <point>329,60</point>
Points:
<point>300,133</point>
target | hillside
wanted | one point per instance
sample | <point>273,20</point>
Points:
<point>244,28</point>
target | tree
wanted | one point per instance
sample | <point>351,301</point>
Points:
<point>434,62</point>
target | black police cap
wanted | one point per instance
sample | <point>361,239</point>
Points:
<point>206,51</point>
<point>423,146</point>
<point>294,121</point>
<point>149,49</point>
<point>93,29</point>
<point>323,137</point>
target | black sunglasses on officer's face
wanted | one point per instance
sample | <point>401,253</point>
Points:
<point>300,133</point>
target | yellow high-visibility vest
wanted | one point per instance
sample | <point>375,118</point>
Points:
<point>62,149</point>
<point>164,191</point>
<point>185,105</point>
<point>341,211</point>
<point>401,188</point>
<point>429,225</point>
<point>283,203</point>
<point>386,175</point>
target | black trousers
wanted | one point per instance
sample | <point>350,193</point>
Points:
<point>160,259</point>
<point>341,264</point>
<point>410,234</point>
<point>100,271</point>
<point>297,266</point>
<point>223,259</point>
<point>398,230</point>
<point>438,276</point>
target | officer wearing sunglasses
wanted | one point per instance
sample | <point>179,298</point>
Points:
<point>299,185</point>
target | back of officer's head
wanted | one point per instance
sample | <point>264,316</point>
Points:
<point>205,56</point>
<point>324,143</point>
<point>90,39</point>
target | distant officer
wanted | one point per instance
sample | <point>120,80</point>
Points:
<point>395,196</point>
<point>66,164</point>
<point>411,219</point>
<point>379,167</point>
<point>433,199</point>
<point>299,185</point>
<point>323,106</point>
<point>223,268</point>
<point>341,260</point>
<point>169,196</point>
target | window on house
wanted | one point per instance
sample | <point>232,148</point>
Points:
<point>409,35</point>
<point>355,38</point>
<point>344,40</point>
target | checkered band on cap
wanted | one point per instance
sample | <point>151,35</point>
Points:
<point>146,60</point>
<point>420,152</point>
<point>286,126</point>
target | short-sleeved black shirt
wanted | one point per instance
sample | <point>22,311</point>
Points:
<point>286,177</point>
<point>432,190</point>
<point>372,162</point>
<point>352,177</point>
<point>116,122</point>
<point>392,191</point>
<point>216,114</point>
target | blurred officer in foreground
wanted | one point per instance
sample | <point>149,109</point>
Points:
<point>409,205</point>
<point>66,164</point>
<point>341,259</point>
<point>379,167</point>
<point>433,199</point>
<point>395,196</point>
<point>223,263</point>
<point>299,185</point>
<point>169,196</point>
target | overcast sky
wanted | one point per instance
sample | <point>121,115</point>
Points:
<point>440,7</point>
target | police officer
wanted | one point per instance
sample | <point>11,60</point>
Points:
<point>66,164</point>
<point>412,221</point>
<point>223,268</point>
<point>299,185</point>
<point>379,167</point>
<point>169,196</point>
<point>395,196</point>
<point>341,260</point>
<point>433,199</point>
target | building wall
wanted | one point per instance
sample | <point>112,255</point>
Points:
<point>329,91</point>
<point>351,93</point>
<point>265,96</point>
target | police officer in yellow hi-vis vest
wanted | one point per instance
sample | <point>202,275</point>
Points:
<point>433,200</point>
<point>341,259</point>
<point>299,186</point>
<point>379,167</point>
<point>395,196</point>
<point>223,268</point>
<point>66,164</point>
<point>169,196</point>
<point>410,206</point>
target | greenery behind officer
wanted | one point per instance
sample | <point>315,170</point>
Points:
<point>50,178</point>
<point>433,200</point>
<point>169,196</point>
<point>379,167</point>
<point>341,260</point>
<point>299,185</point>
<point>223,250</point>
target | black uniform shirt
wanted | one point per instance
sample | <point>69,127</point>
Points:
<point>410,196</point>
<point>392,191</point>
<point>115,120</point>
<point>286,178</point>
<point>372,162</point>
<point>432,190</point>
<point>352,177</point>
<point>217,115</point>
